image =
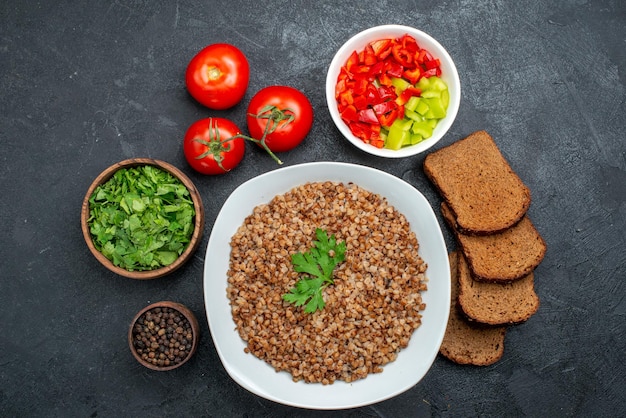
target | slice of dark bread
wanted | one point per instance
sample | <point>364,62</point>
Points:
<point>465,342</point>
<point>484,193</point>
<point>495,303</point>
<point>502,257</point>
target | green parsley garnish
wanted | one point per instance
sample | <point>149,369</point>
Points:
<point>318,263</point>
<point>142,218</point>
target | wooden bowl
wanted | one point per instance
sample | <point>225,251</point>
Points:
<point>181,309</point>
<point>198,219</point>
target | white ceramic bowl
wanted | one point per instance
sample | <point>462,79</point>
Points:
<point>257,376</point>
<point>448,73</point>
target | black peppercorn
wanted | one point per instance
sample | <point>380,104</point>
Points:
<point>162,337</point>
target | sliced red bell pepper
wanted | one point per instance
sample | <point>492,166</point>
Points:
<point>424,56</point>
<point>353,60</point>
<point>360,102</point>
<point>361,69</point>
<point>372,95</point>
<point>409,43</point>
<point>346,98</point>
<point>384,80</point>
<point>379,143</point>
<point>384,107</point>
<point>360,130</point>
<point>387,92</point>
<point>376,140</point>
<point>387,119</point>
<point>376,69</point>
<point>368,116</point>
<point>382,48</point>
<point>366,96</point>
<point>412,74</point>
<point>340,88</point>
<point>434,63</point>
<point>385,53</point>
<point>407,94</point>
<point>361,83</point>
<point>374,136</point>
<point>369,57</point>
<point>402,56</point>
<point>368,133</point>
<point>393,68</point>
<point>349,114</point>
<point>432,72</point>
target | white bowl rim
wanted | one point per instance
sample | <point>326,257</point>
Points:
<point>449,75</point>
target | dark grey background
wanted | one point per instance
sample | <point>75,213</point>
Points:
<point>85,84</point>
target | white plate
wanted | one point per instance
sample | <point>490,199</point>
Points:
<point>260,378</point>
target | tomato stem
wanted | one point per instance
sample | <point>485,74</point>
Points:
<point>213,73</point>
<point>274,117</point>
<point>262,143</point>
<point>216,148</point>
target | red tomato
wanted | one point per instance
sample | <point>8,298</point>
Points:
<point>218,76</point>
<point>281,116</point>
<point>213,146</point>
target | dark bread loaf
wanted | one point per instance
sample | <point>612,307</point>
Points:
<point>465,342</point>
<point>495,303</point>
<point>503,257</point>
<point>483,192</point>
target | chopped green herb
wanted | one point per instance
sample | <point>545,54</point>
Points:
<point>142,218</point>
<point>318,263</point>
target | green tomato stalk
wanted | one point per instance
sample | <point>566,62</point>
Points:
<point>215,147</point>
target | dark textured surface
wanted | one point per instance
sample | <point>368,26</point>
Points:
<point>85,84</point>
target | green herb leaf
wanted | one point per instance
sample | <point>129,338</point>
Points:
<point>142,218</point>
<point>318,263</point>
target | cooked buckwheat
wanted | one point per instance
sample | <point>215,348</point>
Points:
<point>372,308</point>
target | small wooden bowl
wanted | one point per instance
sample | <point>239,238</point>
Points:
<point>182,309</point>
<point>198,219</point>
